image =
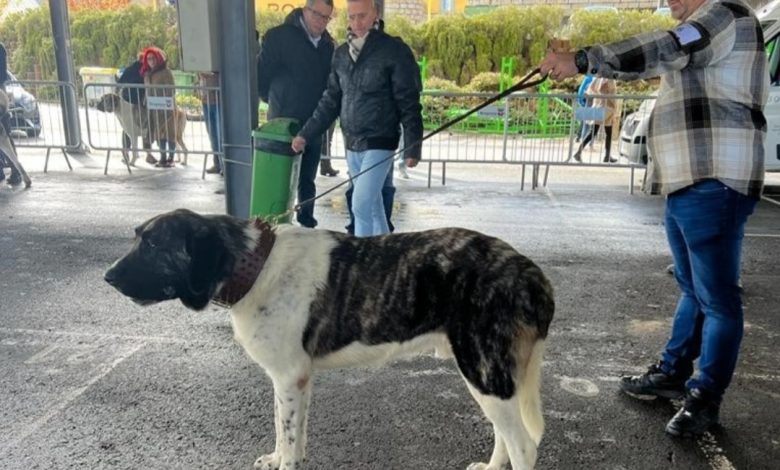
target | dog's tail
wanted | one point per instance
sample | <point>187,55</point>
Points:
<point>530,399</point>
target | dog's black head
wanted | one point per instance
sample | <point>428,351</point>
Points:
<point>108,103</point>
<point>179,254</point>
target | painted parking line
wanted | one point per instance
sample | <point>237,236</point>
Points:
<point>25,430</point>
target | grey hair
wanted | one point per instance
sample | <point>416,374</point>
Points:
<point>310,3</point>
<point>376,3</point>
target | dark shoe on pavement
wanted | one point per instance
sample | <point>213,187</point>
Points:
<point>609,159</point>
<point>577,156</point>
<point>652,384</point>
<point>326,169</point>
<point>151,160</point>
<point>213,170</point>
<point>696,416</point>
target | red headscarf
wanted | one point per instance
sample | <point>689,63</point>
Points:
<point>157,53</point>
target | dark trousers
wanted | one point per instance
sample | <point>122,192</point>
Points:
<point>592,134</point>
<point>211,115</point>
<point>310,160</point>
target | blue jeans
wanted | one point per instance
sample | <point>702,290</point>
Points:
<point>211,115</point>
<point>367,205</point>
<point>167,148</point>
<point>705,226</point>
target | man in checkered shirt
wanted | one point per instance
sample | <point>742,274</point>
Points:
<point>706,138</point>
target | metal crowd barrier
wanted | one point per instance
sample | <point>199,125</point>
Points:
<point>37,117</point>
<point>172,107</point>
<point>539,130</point>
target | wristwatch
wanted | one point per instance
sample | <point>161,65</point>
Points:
<point>581,61</point>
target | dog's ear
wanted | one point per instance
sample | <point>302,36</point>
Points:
<point>208,260</point>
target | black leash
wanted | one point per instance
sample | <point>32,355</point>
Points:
<point>524,83</point>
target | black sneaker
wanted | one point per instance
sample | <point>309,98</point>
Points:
<point>652,384</point>
<point>696,416</point>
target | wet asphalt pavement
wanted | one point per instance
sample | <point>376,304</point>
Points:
<point>91,380</point>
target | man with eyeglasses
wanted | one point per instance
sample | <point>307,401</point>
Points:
<point>292,72</point>
<point>374,89</point>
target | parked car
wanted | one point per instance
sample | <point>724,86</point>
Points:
<point>633,133</point>
<point>25,114</point>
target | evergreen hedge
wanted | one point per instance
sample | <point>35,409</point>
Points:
<point>458,48</point>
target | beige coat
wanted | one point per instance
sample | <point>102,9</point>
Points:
<point>162,123</point>
<point>606,86</point>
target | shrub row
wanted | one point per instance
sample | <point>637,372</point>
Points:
<point>462,49</point>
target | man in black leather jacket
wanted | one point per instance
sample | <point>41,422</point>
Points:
<point>292,72</point>
<point>374,86</point>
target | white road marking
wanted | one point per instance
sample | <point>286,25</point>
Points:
<point>78,334</point>
<point>714,452</point>
<point>26,430</point>
<point>579,386</point>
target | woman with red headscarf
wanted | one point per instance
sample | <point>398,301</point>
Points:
<point>162,121</point>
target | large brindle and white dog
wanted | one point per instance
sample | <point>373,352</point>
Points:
<point>304,300</point>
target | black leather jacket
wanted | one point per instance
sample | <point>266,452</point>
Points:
<point>372,97</point>
<point>291,71</point>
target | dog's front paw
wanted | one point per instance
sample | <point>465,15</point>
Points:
<point>268,462</point>
<point>482,466</point>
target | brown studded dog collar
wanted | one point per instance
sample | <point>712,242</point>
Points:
<point>247,268</point>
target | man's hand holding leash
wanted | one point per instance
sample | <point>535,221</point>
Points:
<point>559,65</point>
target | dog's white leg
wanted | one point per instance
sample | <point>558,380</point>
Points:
<point>508,426</point>
<point>272,461</point>
<point>498,459</point>
<point>293,393</point>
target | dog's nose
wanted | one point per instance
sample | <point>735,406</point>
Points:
<point>110,277</point>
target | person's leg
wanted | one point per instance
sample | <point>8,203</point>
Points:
<point>210,118</point>
<point>608,145</point>
<point>217,128</point>
<point>167,148</point>
<point>713,217</point>
<point>684,344</point>
<point>388,198</point>
<point>348,195</point>
<point>326,168</point>
<point>3,164</point>
<point>310,159</point>
<point>370,218</point>
<point>594,129</point>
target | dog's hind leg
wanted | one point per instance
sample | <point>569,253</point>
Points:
<point>292,394</point>
<point>510,433</point>
<point>180,143</point>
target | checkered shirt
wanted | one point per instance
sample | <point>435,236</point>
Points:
<point>708,121</point>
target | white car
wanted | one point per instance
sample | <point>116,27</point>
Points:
<point>633,133</point>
